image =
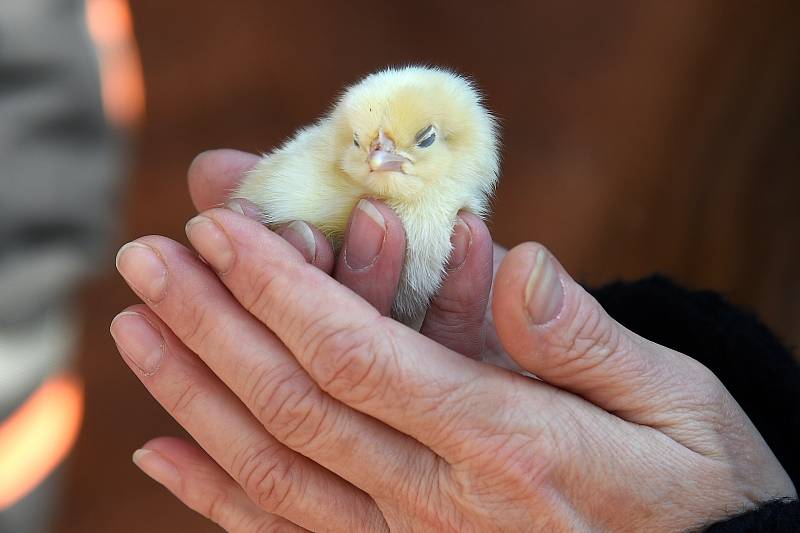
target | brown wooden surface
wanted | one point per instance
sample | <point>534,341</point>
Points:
<point>638,137</point>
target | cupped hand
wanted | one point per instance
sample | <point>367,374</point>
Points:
<point>373,254</point>
<point>314,410</point>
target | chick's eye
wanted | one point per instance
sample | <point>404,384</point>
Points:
<point>427,141</point>
<point>426,137</point>
<point>355,143</point>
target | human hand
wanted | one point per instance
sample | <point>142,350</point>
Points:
<point>323,413</point>
<point>458,318</point>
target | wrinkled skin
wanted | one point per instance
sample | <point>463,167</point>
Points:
<point>314,410</point>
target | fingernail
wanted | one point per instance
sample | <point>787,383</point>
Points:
<point>366,236</point>
<point>157,467</point>
<point>143,269</point>
<point>210,242</point>
<point>243,207</point>
<point>299,235</point>
<point>139,341</point>
<point>461,239</point>
<point>544,293</point>
<point>235,206</point>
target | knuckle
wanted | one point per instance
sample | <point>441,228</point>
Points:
<point>259,299</point>
<point>458,327</point>
<point>351,363</point>
<point>460,433</point>
<point>589,340</point>
<point>707,381</point>
<point>291,407</point>
<point>511,457</point>
<point>197,322</point>
<point>272,524</point>
<point>456,431</point>
<point>182,405</point>
<point>707,395</point>
<point>269,297</point>
<point>266,476</point>
<point>514,464</point>
<point>418,489</point>
<point>450,307</point>
<point>262,523</point>
<point>217,508</point>
<point>432,504</point>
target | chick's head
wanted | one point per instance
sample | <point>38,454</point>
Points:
<point>403,133</point>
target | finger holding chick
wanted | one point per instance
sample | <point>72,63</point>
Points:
<point>373,270</point>
<point>456,315</point>
<point>417,138</point>
<point>211,177</point>
<point>372,255</point>
<point>214,174</point>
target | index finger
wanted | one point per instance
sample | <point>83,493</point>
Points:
<point>215,174</point>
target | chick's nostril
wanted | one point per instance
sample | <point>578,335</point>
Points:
<point>383,142</point>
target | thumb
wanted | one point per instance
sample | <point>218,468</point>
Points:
<point>553,328</point>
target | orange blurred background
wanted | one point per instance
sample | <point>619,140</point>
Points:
<point>638,137</point>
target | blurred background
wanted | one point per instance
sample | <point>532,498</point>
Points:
<point>638,137</point>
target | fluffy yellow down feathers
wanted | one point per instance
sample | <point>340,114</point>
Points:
<point>417,138</point>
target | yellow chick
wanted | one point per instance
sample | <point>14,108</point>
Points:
<point>417,138</point>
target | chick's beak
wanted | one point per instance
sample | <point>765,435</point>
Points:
<point>383,156</point>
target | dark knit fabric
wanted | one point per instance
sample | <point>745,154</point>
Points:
<point>755,367</point>
<point>773,517</point>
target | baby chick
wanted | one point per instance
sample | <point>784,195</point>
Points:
<point>417,138</point>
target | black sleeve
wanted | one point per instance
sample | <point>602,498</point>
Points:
<point>777,516</point>
<point>753,364</point>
